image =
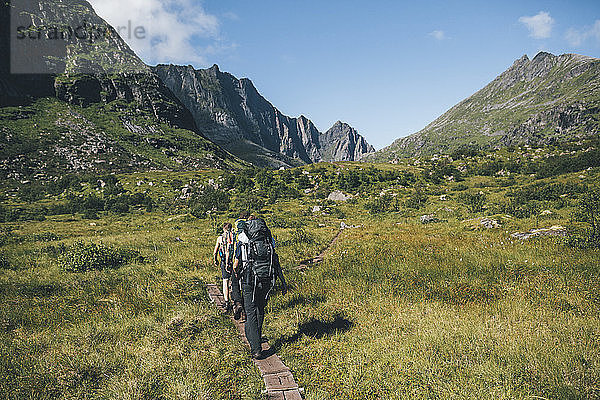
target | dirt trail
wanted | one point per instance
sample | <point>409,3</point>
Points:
<point>317,259</point>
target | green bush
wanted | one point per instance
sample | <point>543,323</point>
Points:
<point>475,202</point>
<point>44,237</point>
<point>588,211</point>
<point>417,199</point>
<point>249,202</point>
<point>520,209</point>
<point>4,262</point>
<point>209,200</point>
<point>381,204</point>
<point>83,257</point>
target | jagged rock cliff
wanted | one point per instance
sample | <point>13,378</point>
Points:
<point>535,101</point>
<point>232,113</point>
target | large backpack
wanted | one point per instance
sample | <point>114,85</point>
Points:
<point>259,253</point>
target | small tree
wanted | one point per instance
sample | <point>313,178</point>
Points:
<point>588,211</point>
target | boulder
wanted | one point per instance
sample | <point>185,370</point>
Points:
<point>482,223</point>
<point>338,195</point>
<point>428,219</point>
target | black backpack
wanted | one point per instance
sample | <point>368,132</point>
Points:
<point>260,251</point>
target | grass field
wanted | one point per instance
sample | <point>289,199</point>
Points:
<point>398,309</point>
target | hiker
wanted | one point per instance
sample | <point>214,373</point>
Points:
<point>224,250</point>
<point>236,284</point>
<point>258,266</point>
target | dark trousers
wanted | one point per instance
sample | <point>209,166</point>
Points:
<point>236,294</point>
<point>255,302</point>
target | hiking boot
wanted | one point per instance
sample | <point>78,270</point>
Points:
<point>237,312</point>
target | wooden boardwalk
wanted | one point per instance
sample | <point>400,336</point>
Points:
<point>279,381</point>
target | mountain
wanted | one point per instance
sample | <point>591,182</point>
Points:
<point>232,113</point>
<point>536,101</point>
<point>342,142</point>
<point>90,106</point>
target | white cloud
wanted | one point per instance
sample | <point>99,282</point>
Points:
<point>176,31</point>
<point>576,37</point>
<point>438,35</point>
<point>539,25</point>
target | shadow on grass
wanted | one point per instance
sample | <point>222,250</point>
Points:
<point>317,329</point>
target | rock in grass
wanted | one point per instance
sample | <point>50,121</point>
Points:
<point>429,219</point>
<point>482,223</point>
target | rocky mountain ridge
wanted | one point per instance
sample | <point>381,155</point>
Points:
<point>107,76</point>
<point>232,113</point>
<point>537,101</point>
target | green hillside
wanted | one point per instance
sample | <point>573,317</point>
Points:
<point>47,138</point>
<point>539,101</point>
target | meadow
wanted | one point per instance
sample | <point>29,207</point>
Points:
<point>106,302</point>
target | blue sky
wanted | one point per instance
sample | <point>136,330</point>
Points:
<point>388,68</point>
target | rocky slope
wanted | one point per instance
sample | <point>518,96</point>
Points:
<point>96,107</point>
<point>232,113</point>
<point>535,101</point>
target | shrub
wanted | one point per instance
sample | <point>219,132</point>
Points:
<point>250,203</point>
<point>588,211</point>
<point>209,200</point>
<point>417,199</point>
<point>83,257</point>
<point>381,204</point>
<point>475,202</point>
<point>521,209</point>
<point>4,262</point>
<point>44,237</point>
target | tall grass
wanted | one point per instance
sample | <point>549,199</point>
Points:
<point>139,331</point>
<point>440,312</point>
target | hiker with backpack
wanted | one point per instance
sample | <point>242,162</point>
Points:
<point>224,251</point>
<point>257,264</point>
<point>236,285</point>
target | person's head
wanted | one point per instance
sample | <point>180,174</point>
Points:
<point>226,227</point>
<point>250,217</point>
<point>244,215</point>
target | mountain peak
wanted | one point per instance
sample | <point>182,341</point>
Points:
<point>543,55</point>
<point>549,98</point>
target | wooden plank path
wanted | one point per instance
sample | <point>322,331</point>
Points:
<point>279,381</point>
